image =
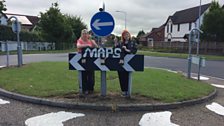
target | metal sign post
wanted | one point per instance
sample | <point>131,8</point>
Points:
<point>199,68</point>
<point>102,24</point>
<point>16,27</point>
<point>109,63</point>
<point>7,54</point>
<point>194,37</point>
<point>80,82</point>
<point>129,83</point>
<point>189,57</point>
<point>103,83</point>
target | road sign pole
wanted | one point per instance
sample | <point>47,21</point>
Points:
<point>80,82</point>
<point>129,83</point>
<point>16,27</point>
<point>19,49</point>
<point>103,76</point>
<point>103,83</point>
<point>192,38</point>
<point>199,67</point>
<point>199,24</point>
<point>7,55</point>
<point>189,57</point>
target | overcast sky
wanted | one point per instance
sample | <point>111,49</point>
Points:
<point>141,14</point>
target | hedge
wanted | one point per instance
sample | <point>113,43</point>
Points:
<point>6,33</point>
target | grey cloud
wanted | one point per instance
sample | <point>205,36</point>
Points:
<point>141,14</point>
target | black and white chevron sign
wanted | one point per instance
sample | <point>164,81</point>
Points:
<point>131,63</point>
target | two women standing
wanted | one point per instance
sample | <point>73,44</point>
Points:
<point>127,46</point>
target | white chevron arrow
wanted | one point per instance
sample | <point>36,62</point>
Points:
<point>101,67</point>
<point>97,24</point>
<point>74,62</point>
<point>157,119</point>
<point>126,66</point>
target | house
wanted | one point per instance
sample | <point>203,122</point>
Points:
<point>182,22</point>
<point>28,23</point>
<point>156,34</point>
<point>3,19</point>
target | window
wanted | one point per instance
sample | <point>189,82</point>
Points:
<point>178,27</point>
<point>189,26</point>
<point>167,28</point>
<point>171,28</point>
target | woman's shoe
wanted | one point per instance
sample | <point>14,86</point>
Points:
<point>124,94</point>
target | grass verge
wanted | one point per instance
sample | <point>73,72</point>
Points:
<point>177,55</point>
<point>48,79</point>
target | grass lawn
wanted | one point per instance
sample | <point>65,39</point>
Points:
<point>48,79</point>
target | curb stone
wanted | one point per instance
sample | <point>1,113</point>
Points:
<point>107,107</point>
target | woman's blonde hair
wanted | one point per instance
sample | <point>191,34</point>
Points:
<point>84,31</point>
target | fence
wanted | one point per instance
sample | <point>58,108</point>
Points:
<point>12,45</point>
<point>205,47</point>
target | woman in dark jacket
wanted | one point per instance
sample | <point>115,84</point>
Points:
<point>128,47</point>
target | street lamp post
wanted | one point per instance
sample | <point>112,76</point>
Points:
<point>125,18</point>
<point>199,24</point>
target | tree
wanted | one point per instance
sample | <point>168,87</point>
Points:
<point>2,6</point>
<point>54,27</point>
<point>140,33</point>
<point>213,23</point>
<point>76,24</point>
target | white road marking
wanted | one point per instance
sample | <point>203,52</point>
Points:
<point>201,78</point>
<point>218,85</point>
<point>2,67</point>
<point>52,119</point>
<point>2,102</point>
<point>157,119</point>
<point>172,71</point>
<point>217,108</point>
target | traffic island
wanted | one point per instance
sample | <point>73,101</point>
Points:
<point>51,83</point>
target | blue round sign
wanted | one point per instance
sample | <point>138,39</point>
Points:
<point>102,23</point>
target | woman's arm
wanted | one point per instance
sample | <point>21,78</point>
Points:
<point>82,46</point>
<point>127,50</point>
<point>94,43</point>
<point>130,48</point>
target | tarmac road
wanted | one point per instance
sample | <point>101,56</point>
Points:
<point>16,113</point>
<point>213,68</point>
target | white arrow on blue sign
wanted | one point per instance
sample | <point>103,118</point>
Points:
<point>102,23</point>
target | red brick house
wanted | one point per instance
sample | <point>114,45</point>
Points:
<point>156,34</point>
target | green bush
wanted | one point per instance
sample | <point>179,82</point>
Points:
<point>6,33</point>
